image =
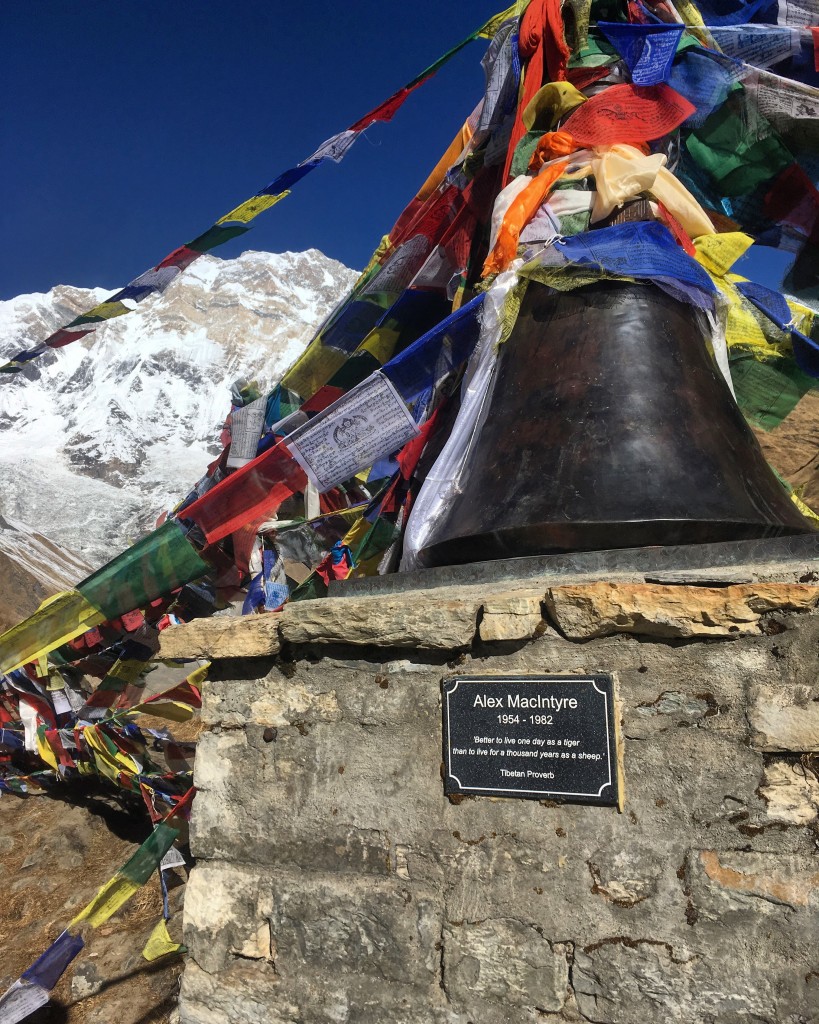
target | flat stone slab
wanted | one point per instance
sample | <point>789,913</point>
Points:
<point>427,620</point>
<point>248,636</point>
<point>402,621</point>
<point>512,616</point>
<point>651,609</point>
<point>767,558</point>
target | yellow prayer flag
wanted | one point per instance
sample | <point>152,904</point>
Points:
<point>718,253</point>
<point>107,311</point>
<point>109,763</point>
<point>380,343</point>
<point>57,620</point>
<point>160,943</point>
<point>313,369</point>
<point>200,675</point>
<point>806,510</point>
<point>491,27</point>
<point>803,317</point>
<point>250,208</point>
<point>742,329</point>
<point>107,902</point>
<point>550,103</point>
<point>45,751</point>
<point>173,710</point>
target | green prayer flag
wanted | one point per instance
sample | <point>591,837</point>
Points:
<point>153,567</point>
<point>146,859</point>
<point>768,391</point>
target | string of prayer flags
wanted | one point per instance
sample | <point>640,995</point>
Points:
<point>260,487</point>
<point>237,221</point>
<point>153,567</point>
<point>31,990</point>
<point>129,879</point>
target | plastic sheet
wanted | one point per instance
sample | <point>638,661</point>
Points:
<point>442,480</point>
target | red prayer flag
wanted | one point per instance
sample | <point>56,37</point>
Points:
<point>254,491</point>
<point>61,338</point>
<point>628,113</point>
<point>181,258</point>
<point>385,111</point>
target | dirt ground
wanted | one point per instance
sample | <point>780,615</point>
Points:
<point>57,851</point>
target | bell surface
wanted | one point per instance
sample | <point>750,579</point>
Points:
<point>610,426</point>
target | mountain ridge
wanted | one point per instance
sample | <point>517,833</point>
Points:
<point>105,434</point>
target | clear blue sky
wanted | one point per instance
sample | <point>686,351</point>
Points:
<point>129,127</point>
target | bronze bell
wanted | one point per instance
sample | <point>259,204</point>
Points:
<point>610,426</point>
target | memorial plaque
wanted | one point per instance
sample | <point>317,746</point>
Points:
<point>537,737</point>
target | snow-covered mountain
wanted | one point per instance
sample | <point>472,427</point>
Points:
<point>108,432</point>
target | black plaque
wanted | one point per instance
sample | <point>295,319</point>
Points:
<point>537,737</point>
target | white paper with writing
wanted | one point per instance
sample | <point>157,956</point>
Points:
<point>367,423</point>
<point>245,430</point>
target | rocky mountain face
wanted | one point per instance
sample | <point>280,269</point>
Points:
<point>32,568</point>
<point>105,434</point>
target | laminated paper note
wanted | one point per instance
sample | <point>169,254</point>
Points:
<point>245,430</point>
<point>351,434</point>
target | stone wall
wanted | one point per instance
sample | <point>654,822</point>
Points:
<point>336,883</point>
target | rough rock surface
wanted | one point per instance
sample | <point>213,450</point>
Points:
<point>336,883</point>
<point>791,447</point>
<point>250,636</point>
<point>408,620</point>
<point>511,616</point>
<point>100,437</point>
<point>791,792</point>
<point>32,568</point>
<point>601,609</point>
<point>785,720</point>
<point>433,620</point>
